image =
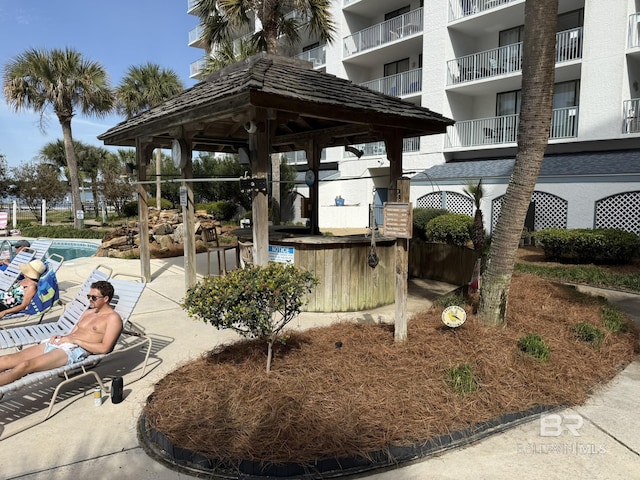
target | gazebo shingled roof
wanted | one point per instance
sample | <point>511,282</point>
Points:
<point>306,103</point>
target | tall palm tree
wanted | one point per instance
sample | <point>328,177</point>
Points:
<point>143,87</point>
<point>225,20</point>
<point>538,73</point>
<point>39,79</point>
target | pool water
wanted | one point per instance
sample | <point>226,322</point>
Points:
<point>70,249</point>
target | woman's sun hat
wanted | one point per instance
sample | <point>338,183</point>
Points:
<point>34,269</point>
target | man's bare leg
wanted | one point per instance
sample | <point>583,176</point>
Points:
<point>33,359</point>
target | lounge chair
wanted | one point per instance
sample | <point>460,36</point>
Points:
<point>9,275</point>
<point>41,247</point>
<point>4,221</point>
<point>127,295</point>
<point>45,298</point>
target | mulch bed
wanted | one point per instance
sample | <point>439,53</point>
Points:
<point>322,400</point>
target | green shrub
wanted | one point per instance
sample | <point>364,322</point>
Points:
<point>462,379</point>
<point>603,245</point>
<point>221,210</point>
<point>130,209</point>
<point>59,231</point>
<point>533,344</point>
<point>421,217</point>
<point>256,302</point>
<point>164,203</point>
<point>588,333</point>
<point>452,228</point>
<point>613,319</point>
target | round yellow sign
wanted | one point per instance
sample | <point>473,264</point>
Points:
<point>454,316</point>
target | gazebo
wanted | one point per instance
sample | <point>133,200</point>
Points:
<point>263,105</point>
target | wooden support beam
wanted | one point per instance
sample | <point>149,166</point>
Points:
<point>188,219</point>
<point>399,193</point>
<point>314,151</point>
<point>259,149</point>
<point>143,156</point>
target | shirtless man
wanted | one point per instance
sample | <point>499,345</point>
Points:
<point>97,331</point>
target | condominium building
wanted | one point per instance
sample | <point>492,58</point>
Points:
<point>463,59</point>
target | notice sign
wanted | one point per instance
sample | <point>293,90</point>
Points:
<point>398,219</point>
<point>280,254</point>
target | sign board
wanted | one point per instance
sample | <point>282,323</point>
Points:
<point>398,219</point>
<point>280,254</point>
<point>79,214</point>
<point>183,197</point>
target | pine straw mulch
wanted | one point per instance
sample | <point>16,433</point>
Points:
<point>321,401</point>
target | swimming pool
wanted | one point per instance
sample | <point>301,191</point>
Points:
<point>70,249</point>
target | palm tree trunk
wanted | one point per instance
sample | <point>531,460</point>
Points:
<point>72,165</point>
<point>538,70</point>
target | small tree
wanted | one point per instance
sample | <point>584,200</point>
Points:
<point>256,302</point>
<point>37,181</point>
<point>476,192</point>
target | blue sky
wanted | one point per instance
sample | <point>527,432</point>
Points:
<point>116,33</point>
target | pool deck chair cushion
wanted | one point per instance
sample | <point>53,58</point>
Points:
<point>126,297</point>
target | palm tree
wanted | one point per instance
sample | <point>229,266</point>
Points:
<point>39,79</point>
<point>538,70</point>
<point>476,192</point>
<point>225,20</point>
<point>144,87</point>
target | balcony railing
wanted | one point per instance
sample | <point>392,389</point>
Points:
<point>385,32</point>
<point>633,40</point>
<point>399,85</point>
<point>631,116</point>
<point>191,4</point>
<point>504,129</point>
<point>464,8</point>
<point>508,59</point>
<point>378,148</point>
<point>317,56</point>
<point>195,34</point>
<point>196,67</point>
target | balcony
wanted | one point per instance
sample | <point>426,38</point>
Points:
<point>633,36</point>
<point>195,35</point>
<point>191,5</point>
<point>403,26</point>
<point>377,149</point>
<point>631,116</point>
<point>508,59</point>
<point>399,85</point>
<point>317,56</point>
<point>503,130</point>
<point>464,8</point>
<point>196,67</point>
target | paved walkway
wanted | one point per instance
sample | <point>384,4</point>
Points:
<point>99,442</point>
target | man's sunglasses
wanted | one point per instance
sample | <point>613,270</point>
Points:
<point>94,297</point>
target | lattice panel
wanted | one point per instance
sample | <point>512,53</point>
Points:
<point>452,201</point>
<point>550,211</point>
<point>621,210</point>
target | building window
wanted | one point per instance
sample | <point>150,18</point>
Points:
<point>394,68</point>
<point>311,47</point>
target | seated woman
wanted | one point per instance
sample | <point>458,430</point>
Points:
<point>19,296</point>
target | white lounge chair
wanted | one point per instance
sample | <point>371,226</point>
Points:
<point>9,275</point>
<point>45,298</point>
<point>126,297</point>
<point>41,247</point>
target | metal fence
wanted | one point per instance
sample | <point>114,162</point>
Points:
<point>20,213</point>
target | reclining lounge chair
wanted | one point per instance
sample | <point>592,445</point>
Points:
<point>127,295</point>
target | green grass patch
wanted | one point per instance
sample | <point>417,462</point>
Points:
<point>613,319</point>
<point>533,344</point>
<point>449,299</point>
<point>584,274</point>
<point>588,333</point>
<point>462,379</point>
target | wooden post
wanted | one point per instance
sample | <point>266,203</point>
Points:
<point>188,221</point>
<point>260,160</point>
<point>314,152</point>
<point>143,154</point>
<point>399,190</point>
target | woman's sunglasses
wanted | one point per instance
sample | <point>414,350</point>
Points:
<point>94,297</point>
